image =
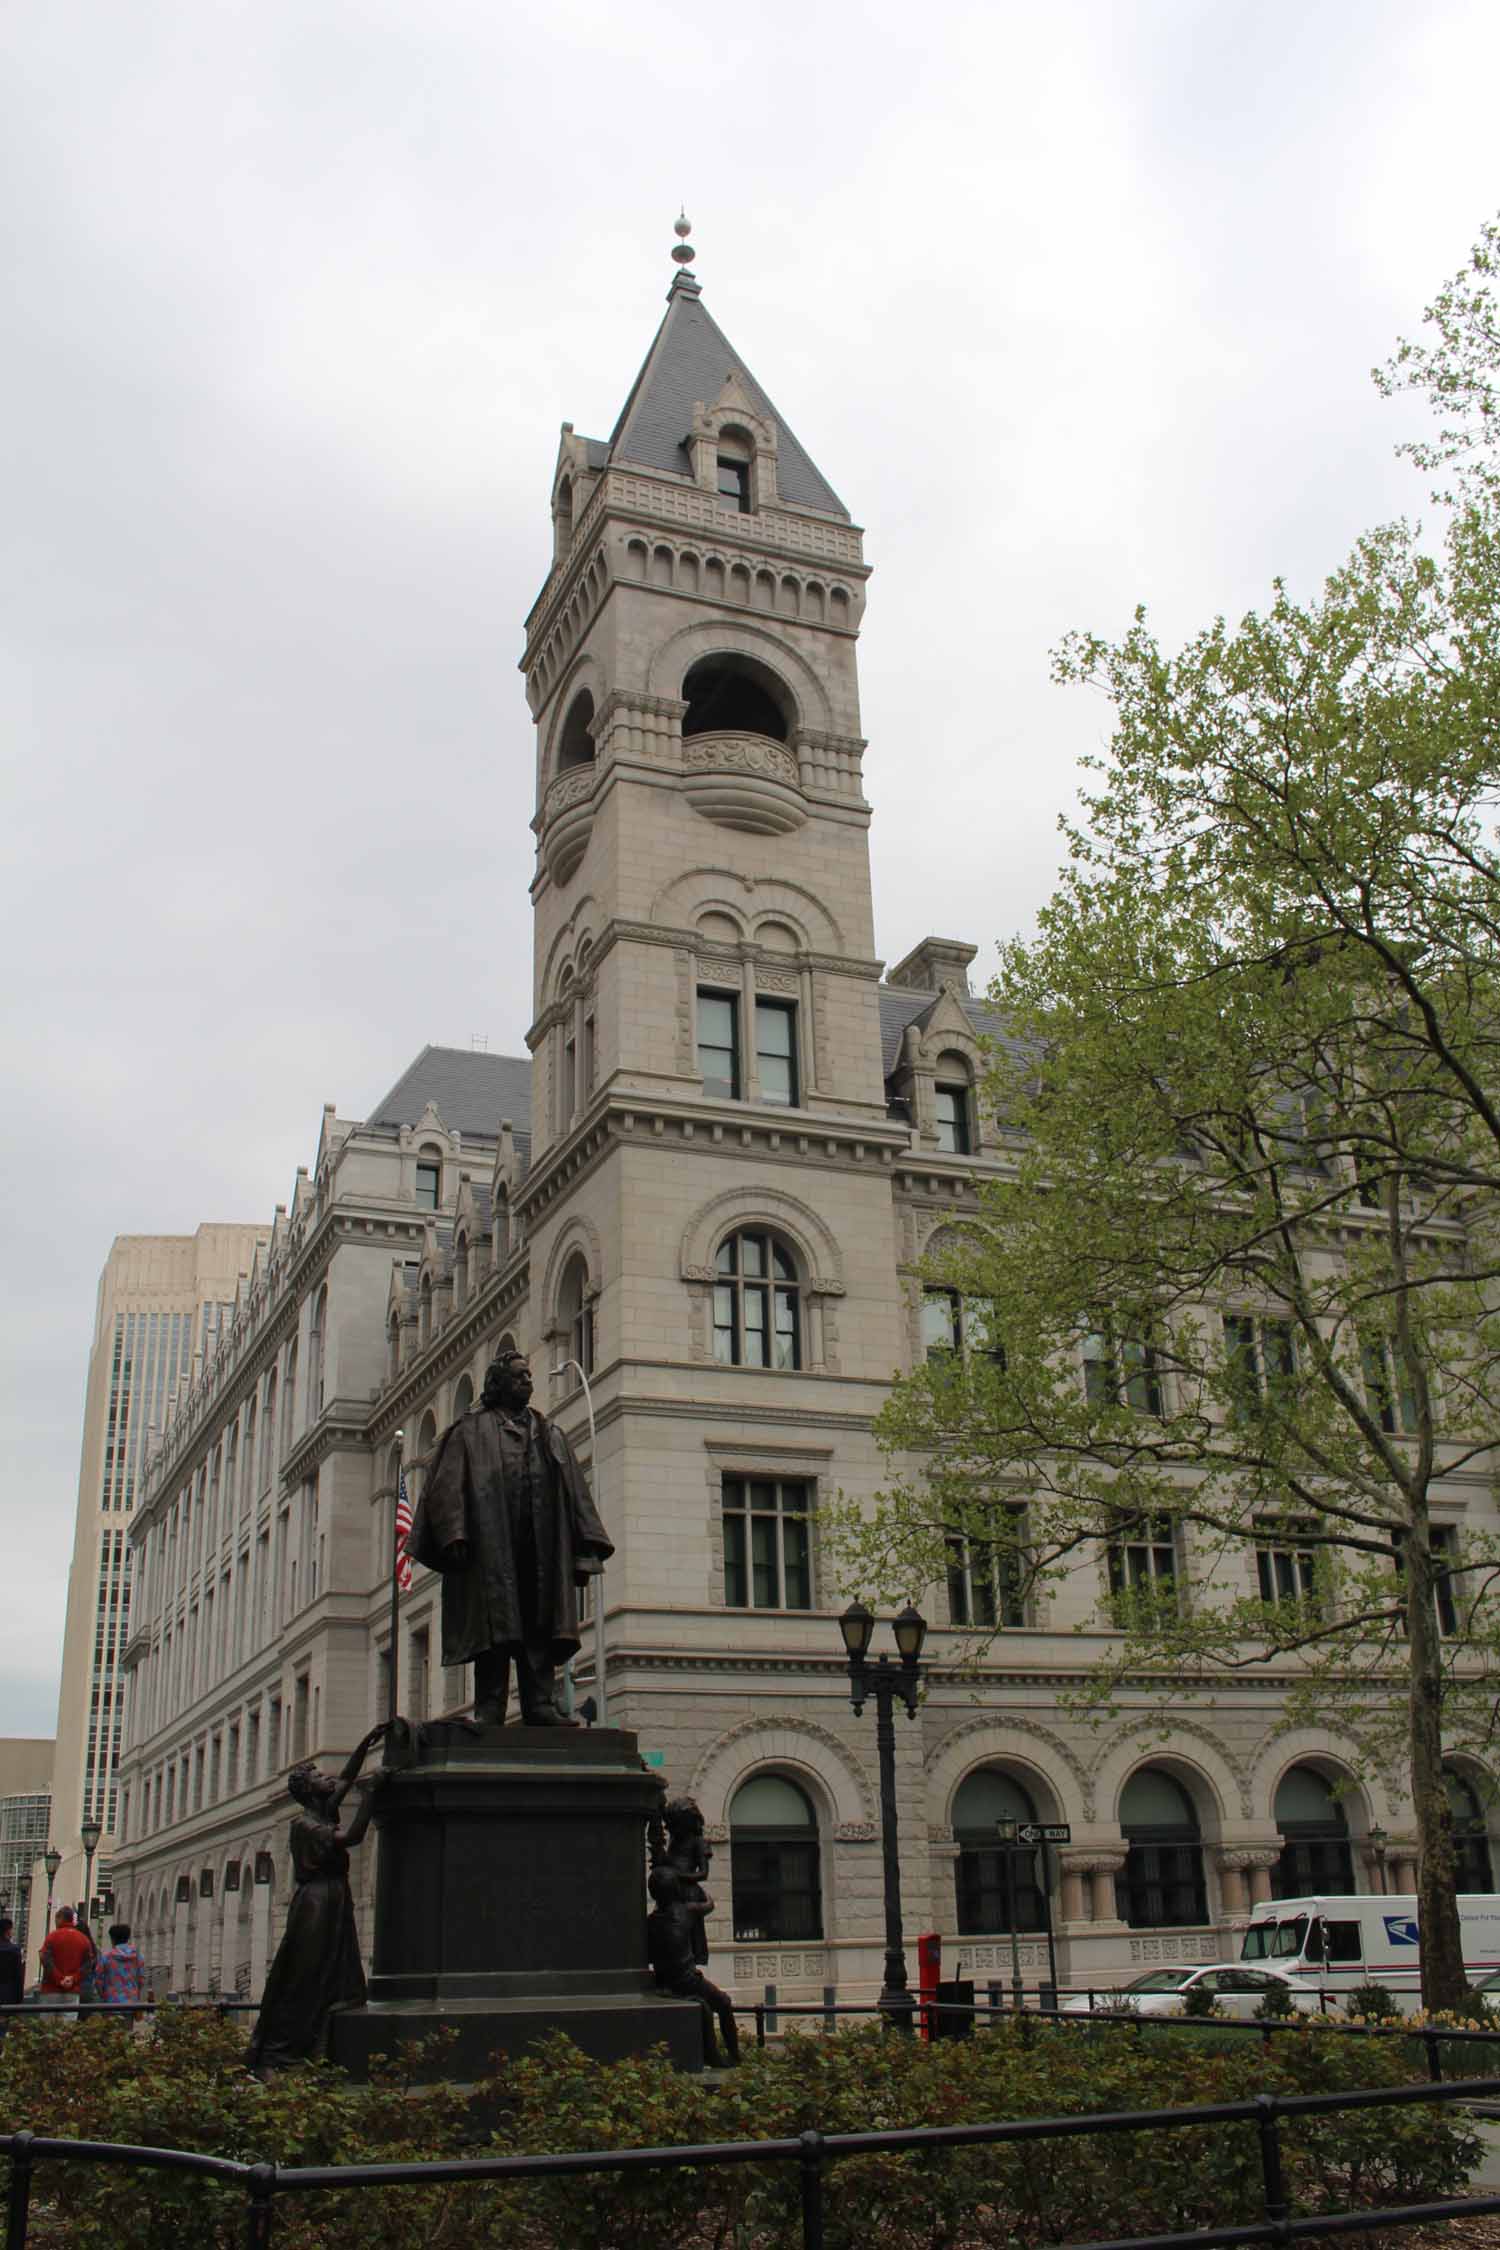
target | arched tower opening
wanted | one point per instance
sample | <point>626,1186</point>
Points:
<point>576,746</point>
<point>732,694</point>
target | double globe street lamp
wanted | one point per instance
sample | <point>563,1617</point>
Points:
<point>881,1682</point>
<point>90,1832</point>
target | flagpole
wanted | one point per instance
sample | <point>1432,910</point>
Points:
<point>396,1546</point>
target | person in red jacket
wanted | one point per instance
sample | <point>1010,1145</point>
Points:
<point>65,1956</point>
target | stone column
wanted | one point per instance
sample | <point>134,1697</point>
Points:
<point>1074,1867</point>
<point>180,1916</point>
<point>1245,1875</point>
<point>1101,1869</point>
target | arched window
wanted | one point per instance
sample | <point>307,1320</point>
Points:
<point>463,1397</point>
<point>317,1357</point>
<point>215,1480</point>
<point>1471,1845</point>
<point>1315,1837</point>
<point>251,1464</point>
<point>425,1299</point>
<point>501,1223</point>
<point>1161,1884</point>
<point>757,1311</point>
<point>953,1097</point>
<point>563,517</point>
<point>731,694</point>
<point>576,745</point>
<point>461,1273</point>
<point>993,1886</point>
<point>774,1869</point>
<point>393,1346</point>
<point>232,1467</point>
<point>575,1313</point>
<point>429,1177</point>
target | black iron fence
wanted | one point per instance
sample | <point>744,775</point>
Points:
<point>815,2155</point>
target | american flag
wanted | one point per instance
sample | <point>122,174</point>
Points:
<point>403,1531</point>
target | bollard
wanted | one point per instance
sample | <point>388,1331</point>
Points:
<point>810,2164</point>
<point>771,2021</point>
<point>830,2002</point>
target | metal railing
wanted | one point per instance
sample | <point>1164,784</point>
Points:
<point>814,2154</point>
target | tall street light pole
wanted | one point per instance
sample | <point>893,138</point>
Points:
<point>601,1697</point>
<point>1007,1831</point>
<point>52,1861</point>
<point>91,1831</point>
<point>883,1681</point>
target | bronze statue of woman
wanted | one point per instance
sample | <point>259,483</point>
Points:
<point>317,1966</point>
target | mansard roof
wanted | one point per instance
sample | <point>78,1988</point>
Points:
<point>686,367</point>
<point>470,1090</point>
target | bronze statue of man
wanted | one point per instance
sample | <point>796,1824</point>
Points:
<point>506,1516</point>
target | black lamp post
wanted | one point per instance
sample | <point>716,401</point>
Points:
<point>91,1831</point>
<point>884,1681</point>
<point>52,1861</point>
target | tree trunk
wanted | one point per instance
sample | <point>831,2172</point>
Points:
<point>1444,1979</point>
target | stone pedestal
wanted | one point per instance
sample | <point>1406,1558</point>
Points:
<point>510,1902</point>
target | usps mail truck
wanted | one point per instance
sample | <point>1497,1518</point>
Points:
<point>1339,1943</point>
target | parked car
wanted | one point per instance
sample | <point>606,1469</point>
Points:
<point>1488,1988</point>
<point>1239,1991</point>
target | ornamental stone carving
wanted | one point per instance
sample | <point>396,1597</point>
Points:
<point>743,781</point>
<point>567,818</point>
<point>855,1832</point>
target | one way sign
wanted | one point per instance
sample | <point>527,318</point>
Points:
<point>1045,1832</point>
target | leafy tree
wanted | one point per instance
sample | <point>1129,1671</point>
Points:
<point>1243,1259</point>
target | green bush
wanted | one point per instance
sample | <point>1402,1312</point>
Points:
<point>184,2086</point>
<point>1372,2003</point>
<point>1200,2000</point>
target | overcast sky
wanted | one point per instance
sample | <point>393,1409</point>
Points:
<point>1073,304</point>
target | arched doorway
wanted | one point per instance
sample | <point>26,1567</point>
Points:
<point>1315,1853</point>
<point>987,1894</point>
<point>1160,1887</point>
<point>775,1873</point>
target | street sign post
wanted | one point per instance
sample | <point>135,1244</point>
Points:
<point>1044,1832</point>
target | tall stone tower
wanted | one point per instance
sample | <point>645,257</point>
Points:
<point>710,1175</point>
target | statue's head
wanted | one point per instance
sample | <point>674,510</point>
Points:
<point>307,1785</point>
<point>683,1818</point>
<point>507,1381</point>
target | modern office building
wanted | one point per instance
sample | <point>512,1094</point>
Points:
<point>160,1302</point>
<point>25,1812</point>
<point>709,1191</point>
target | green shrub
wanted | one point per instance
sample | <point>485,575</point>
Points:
<point>1372,2003</point>
<point>1276,2004</point>
<point>184,2086</point>
<point>1200,2000</point>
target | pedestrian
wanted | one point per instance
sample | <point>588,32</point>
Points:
<point>12,1971</point>
<point>66,1954</point>
<point>120,1976</point>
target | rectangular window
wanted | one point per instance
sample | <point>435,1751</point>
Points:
<point>417,1679</point>
<point>986,1578</point>
<point>1442,1545</point>
<point>1143,1556</point>
<point>951,1323</point>
<point>277,1747</point>
<point>1285,1567</point>
<point>301,1711</point>
<point>776,1051</point>
<point>940,1321</point>
<point>590,1054</point>
<point>428,1179</point>
<point>719,1045</point>
<point>953,1119</point>
<point>1393,1403</point>
<point>767,1547</point>
<point>1260,1357</point>
<point>1121,1371</point>
<point>569,1080</point>
<point>734,484</point>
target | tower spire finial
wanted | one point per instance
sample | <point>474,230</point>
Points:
<point>683,255</point>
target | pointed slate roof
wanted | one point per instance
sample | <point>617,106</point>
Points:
<point>471,1090</point>
<point>686,365</point>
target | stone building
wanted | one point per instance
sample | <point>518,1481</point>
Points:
<point>709,1190</point>
<point>160,1301</point>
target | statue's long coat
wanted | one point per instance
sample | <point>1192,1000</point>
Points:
<point>484,1606</point>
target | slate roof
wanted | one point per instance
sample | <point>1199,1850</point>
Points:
<point>688,362</point>
<point>471,1092</point>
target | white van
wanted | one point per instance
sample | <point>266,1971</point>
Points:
<point>1338,1943</point>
